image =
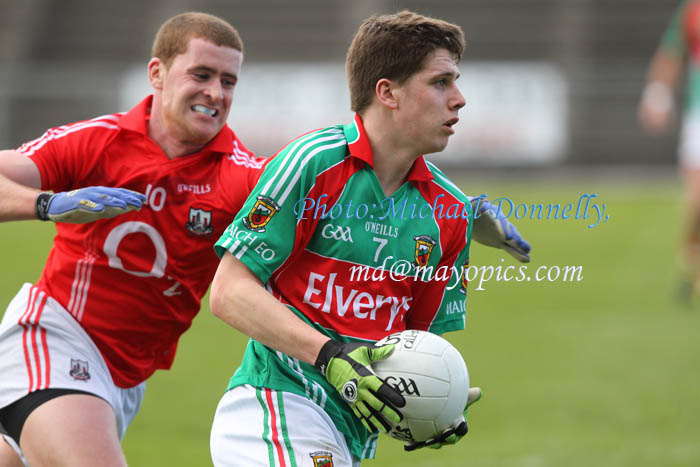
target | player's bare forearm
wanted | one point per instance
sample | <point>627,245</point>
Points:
<point>665,68</point>
<point>19,183</point>
<point>239,298</point>
<point>656,110</point>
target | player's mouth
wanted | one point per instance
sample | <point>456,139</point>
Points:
<point>449,124</point>
<point>204,110</point>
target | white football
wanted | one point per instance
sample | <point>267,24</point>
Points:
<point>431,374</point>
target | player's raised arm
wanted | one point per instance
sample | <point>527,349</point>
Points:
<point>21,198</point>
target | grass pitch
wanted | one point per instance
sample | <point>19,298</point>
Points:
<point>601,372</point>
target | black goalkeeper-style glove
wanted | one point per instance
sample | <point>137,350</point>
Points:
<point>347,367</point>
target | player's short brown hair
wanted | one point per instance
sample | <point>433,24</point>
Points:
<point>174,35</point>
<point>394,47</point>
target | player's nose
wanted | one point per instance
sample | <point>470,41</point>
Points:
<point>457,100</point>
<point>215,90</point>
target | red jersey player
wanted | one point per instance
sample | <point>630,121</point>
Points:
<point>117,293</point>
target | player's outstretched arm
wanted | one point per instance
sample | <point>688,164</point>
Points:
<point>492,229</point>
<point>20,198</point>
<point>453,434</point>
<point>19,186</point>
<point>87,204</point>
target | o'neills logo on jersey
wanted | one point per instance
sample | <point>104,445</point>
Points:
<point>424,246</point>
<point>322,458</point>
<point>200,222</point>
<point>196,189</point>
<point>260,215</point>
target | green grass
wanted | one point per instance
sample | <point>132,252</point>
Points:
<point>602,372</point>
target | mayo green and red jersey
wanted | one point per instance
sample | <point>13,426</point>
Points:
<point>320,233</point>
<point>682,38</point>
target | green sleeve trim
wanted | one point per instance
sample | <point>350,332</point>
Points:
<point>672,40</point>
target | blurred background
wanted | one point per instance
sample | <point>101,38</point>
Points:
<point>601,371</point>
<point>549,82</point>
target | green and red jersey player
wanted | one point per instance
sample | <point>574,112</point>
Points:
<point>677,59</point>
<point>352,271</point>
<point>681,39</point>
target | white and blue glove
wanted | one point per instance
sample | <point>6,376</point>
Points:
<point>87,204</point>
<point>490,229</point>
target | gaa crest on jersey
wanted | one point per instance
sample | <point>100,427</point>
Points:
<point>424,246</point>
<point>79,370</point>
<point>322,458</point>
<point>263,210</point>
<point>465,268</point>
<point>200,222</point>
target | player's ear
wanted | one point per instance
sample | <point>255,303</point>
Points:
<point>156,73</point>
<point>386,93</point>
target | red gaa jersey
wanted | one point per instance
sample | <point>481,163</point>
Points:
<point>135,282</point>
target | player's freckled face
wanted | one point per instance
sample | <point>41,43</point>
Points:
<point>197,90</point>
<point>429,102</point>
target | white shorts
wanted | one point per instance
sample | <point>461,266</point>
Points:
<point>689,146</point>
<point>261,427</point>
<point>43,346</point>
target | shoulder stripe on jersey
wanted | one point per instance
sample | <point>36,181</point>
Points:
<point>330,167</point>
<point>339,142</point>
<point>238,150</point>
<point>291,156</point>
<point>437,173</point>
<point>60,129</point>
<point>243,158</point>
<point>29,149</point>
<point>113,117</point>
<point>246,161</point>
<point>452,185</point>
